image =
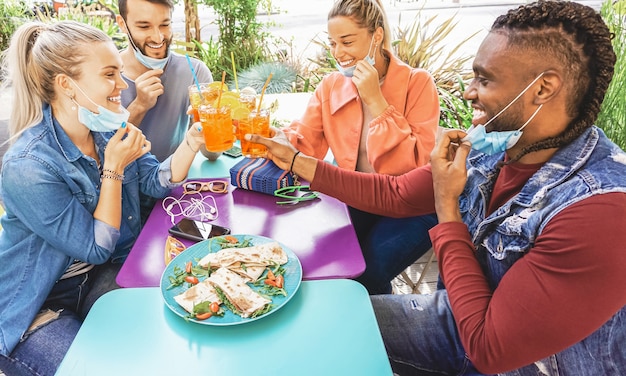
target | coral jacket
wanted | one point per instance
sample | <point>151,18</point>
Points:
<point>398,140</point>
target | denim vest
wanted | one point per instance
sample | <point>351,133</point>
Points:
<point>590,165</point>
<point>50,190</point>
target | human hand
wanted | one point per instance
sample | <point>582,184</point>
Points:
<point>149,88</point>
<point>449,171</point>
<point>365,78</point>
<point>126,145</point>
<point>194,136</point>
<point>279,149</point>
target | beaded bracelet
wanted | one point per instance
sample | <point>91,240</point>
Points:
<point>113,177</point>
<point>110,174</point>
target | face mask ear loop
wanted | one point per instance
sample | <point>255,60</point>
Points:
<point>370,49</point>
<point>530,118</point>
<point>515,99</point>
<point>86,96</point>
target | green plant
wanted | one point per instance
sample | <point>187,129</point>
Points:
<point>239,33</point>
<point>425,44</point>
<point>612,117</point>
<point>455,111</point>
<point>12,14</point>
<point>283,77</point>
<point>307,75</point>
<point>92,13</point>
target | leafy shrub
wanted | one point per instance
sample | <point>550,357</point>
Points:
<point>612,117</point>
<point>309,72</point>
<point>239,33</point>
<point>92,13</point>
<point>422,45</point>
<point>12,15</point>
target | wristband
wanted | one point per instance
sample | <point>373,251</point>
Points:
<point>293,161</point>
<point>188,144</point>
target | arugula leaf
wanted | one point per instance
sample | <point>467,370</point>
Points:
<point>227,302</point>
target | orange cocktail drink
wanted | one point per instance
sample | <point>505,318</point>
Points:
<point>217,127</point>
<point>258,122</point>
<point>207,95</point>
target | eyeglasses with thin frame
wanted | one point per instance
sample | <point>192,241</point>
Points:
<point>295,194</point>
<point>215,186</point>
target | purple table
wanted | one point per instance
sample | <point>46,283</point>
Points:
<point>319,232</point>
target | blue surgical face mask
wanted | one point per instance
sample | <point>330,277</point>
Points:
<point>496,142</point>
<point>105,120</point>
<point>150,62</point>
<point>147,61</point>
<point>349,72</point>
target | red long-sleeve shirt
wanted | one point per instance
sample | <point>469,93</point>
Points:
<point>569,284</point>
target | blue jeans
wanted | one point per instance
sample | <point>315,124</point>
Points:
<point>389,246</point>
<point>42,349</point>
<point>420,334</point>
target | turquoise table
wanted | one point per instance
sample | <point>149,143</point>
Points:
<point>203,168</point>
<point>327,328</point>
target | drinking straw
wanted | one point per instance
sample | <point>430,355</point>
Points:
<point>219,96</point>
<point>193,72</point>
<point>232,59</point>
<point>258,108</point>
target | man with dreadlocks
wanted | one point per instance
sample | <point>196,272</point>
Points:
<point>530,203</point>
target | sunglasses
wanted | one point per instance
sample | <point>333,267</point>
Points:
<point>295,194</point>
<point>215,186</point>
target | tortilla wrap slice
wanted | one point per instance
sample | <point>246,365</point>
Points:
<point>201,292</point>
<point>243,297</point>
<point>251,273</point>
<point>258,255</point>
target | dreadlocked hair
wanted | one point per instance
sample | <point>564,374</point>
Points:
<point>576,37</point>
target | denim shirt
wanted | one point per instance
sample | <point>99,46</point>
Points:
<point>50,191</point>
<point>590,165</point>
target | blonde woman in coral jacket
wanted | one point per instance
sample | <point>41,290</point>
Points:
<point>398,137</point>
<point>377,115</point>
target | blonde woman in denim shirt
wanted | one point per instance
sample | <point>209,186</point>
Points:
<point>70,185</point>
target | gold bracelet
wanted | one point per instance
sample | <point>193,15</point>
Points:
<point>113,177</point>
<point>188,144</point>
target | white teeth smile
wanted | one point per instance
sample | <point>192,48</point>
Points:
<point>115,99</point>
<point>478,115</point>
<point>346,63</point>
<point>155,45</point>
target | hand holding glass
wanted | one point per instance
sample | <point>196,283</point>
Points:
<point>207,95</point>
<point>258,122</point>
<point>217,127</point>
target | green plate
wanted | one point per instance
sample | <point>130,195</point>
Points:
<point>293,278</point>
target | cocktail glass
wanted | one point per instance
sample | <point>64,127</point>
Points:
<point>258,122</point>
<point>217,127</point>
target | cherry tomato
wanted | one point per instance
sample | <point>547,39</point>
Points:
<point>231,239</point>
<point>188,267</point>
<point>214,307</point>
<point>270,282</point>
<point>280,280</point>
<point>270,275</point>
<point>191,279</point>
<point>203,316</point>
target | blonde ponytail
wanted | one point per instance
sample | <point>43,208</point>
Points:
<point>38,52</point>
